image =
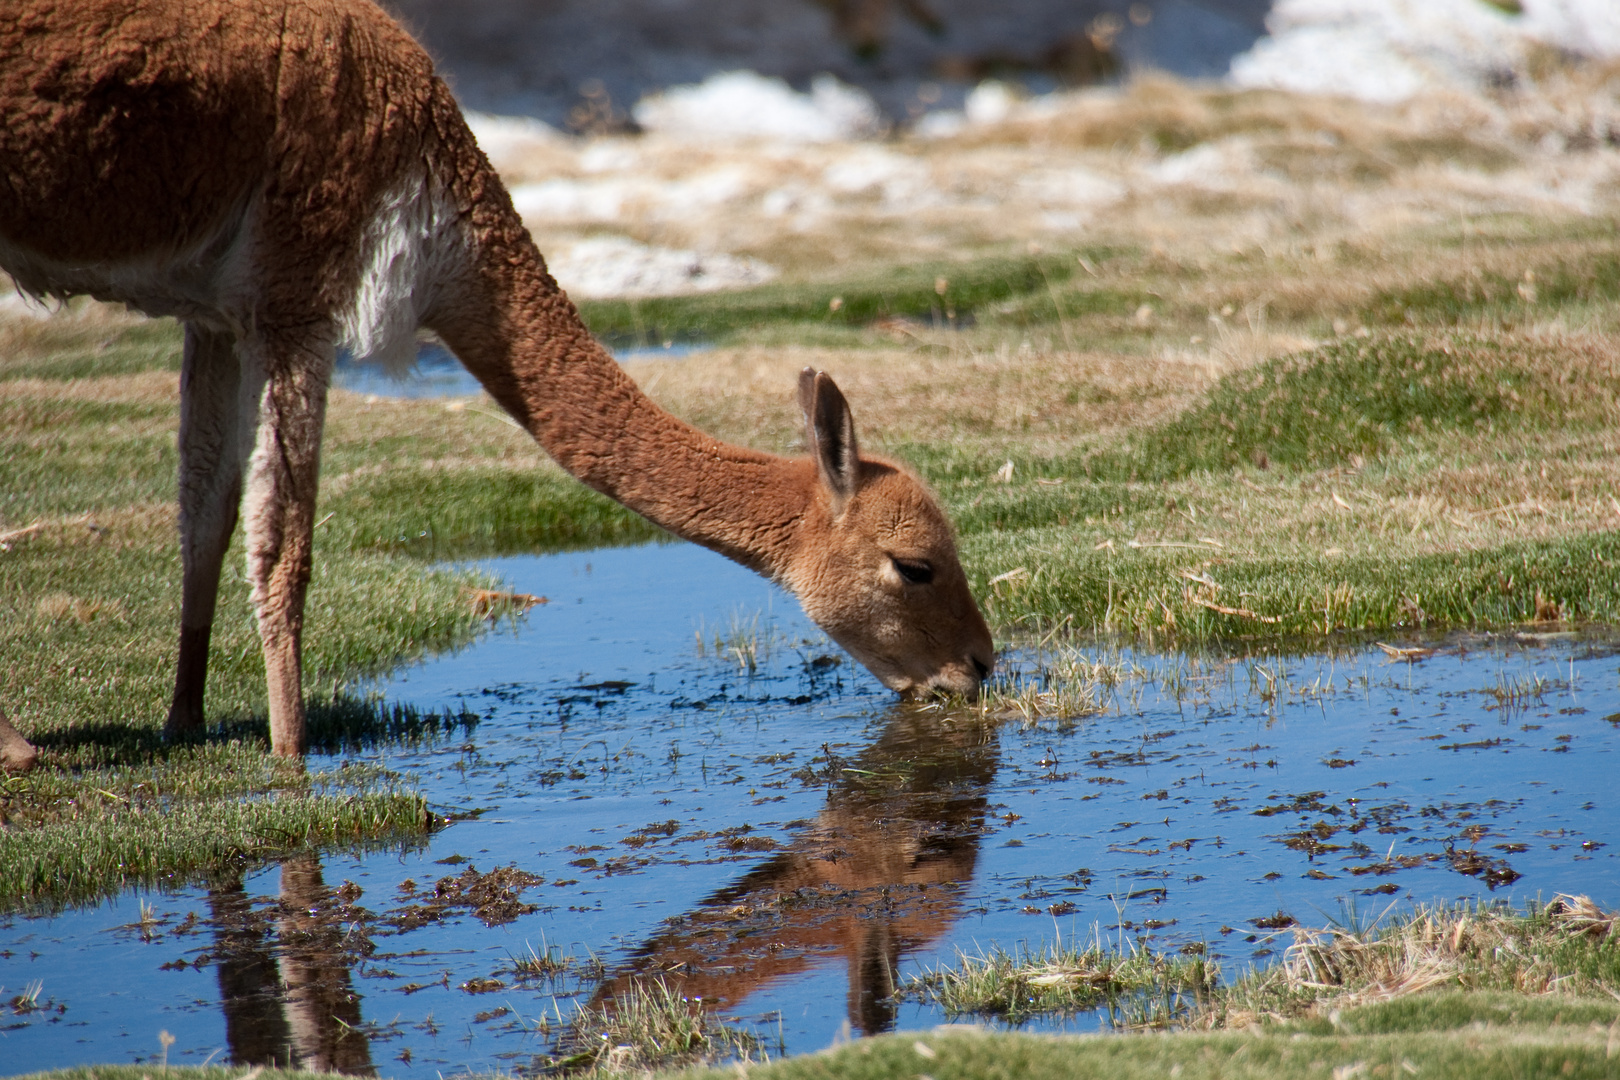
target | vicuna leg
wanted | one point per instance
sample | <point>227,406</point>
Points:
<point>217,402</point>
<point>280,510</point>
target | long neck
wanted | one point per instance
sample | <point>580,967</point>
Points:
<point>513,328</point>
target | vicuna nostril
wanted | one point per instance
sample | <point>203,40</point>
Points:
<point>982,668</point>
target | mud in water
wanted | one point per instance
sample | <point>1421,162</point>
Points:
<point>675,774</point>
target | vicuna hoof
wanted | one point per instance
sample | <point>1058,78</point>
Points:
<point>17,754</point>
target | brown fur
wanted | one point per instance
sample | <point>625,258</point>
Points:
<point>240,164</point>
<point>17,754</point>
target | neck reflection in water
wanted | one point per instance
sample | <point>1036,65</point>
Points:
<point>284,974</point>
<point>881,872</point>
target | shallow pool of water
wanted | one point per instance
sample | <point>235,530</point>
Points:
<point>697,784</point>
<point>438,374</point>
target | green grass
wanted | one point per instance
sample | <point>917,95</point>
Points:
<point>1317,409</point>
<point>98,344</point>
<point>111,842</point>
<point>1507,1051</point>
<point>1492,295</point>
<point>1147,591</point>
<point>90,602</point>
<point>940,291</point>
<point>1510,1042</point>
<point>478,510</point>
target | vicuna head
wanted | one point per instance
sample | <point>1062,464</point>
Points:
<point>878,569</point>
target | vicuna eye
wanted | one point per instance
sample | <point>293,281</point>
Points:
<point>914,573</point>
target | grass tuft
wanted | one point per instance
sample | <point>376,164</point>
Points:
<point>1389,968</point>
<point>649,1024</point>
<point>117,842</point>
<point>1320,409</point>
<point>1145,987</point>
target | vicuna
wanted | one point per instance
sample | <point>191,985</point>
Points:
<point>287,177</point>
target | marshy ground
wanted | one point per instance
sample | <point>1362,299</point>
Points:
<point>1188,368</point>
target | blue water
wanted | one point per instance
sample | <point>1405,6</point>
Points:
<point>438,374</point>
<point>810,839</point>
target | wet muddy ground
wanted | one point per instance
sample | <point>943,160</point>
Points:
<point>761,820</point>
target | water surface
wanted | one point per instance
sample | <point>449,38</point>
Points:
<point>438,374</point>
<point>758,818</point>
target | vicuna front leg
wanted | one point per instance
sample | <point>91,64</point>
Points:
<point>280,509</point>
<point>217,404</point>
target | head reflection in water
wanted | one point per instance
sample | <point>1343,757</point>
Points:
<point>880,873</point>
<point>284,976</point>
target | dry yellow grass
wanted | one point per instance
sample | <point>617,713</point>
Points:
<point>938,390</point>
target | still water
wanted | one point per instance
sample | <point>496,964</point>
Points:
<point>674,772</point>
<point>438,374</point>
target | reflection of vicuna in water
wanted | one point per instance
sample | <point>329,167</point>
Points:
<point>881,872</point>
<point>286,990</point>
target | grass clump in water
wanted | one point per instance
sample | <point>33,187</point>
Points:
<point>1064,979</point>
<point>1565,955</point>
<point>552,964</point>
<point>1567,948</point>
<point>1066,687</point>
<point>647,1025</point>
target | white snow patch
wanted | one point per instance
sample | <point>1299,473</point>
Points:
<point>990,102</point>
<point>507,138</point>
<point>1069,189</point>
<point>706,189</point>
<point>1387,51</point>
<point>940,124</point>
<point>609,155</point>
<point>1585,27</point>
<point>609,266</point>
<point>594,200</point>
<point>1217,166</point>
<point>735,105</point>
<point>903,183</point>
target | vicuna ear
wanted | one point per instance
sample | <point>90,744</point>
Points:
<point>830,433</point>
